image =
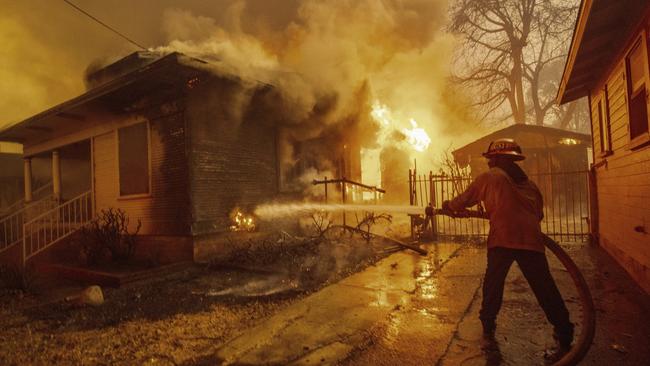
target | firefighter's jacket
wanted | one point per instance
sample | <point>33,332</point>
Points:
<point>515,210</point>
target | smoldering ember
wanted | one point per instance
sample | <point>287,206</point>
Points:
<point>324,182</point>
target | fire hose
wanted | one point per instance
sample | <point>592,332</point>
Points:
<point>588,329</point>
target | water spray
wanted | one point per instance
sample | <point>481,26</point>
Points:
<point>274,210</point>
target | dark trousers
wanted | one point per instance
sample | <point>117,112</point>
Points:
<point>535,268</point>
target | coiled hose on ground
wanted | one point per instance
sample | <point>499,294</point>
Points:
<point>588,329</point>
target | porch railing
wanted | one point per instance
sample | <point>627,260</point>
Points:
<point>11,230</point>
<point>11,227</point>
<point>56,224</point>
<point>38,194</point>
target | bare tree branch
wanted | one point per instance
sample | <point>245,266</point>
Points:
<point>512,50</point>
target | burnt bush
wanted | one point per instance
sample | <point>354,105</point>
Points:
<point>107,238</point>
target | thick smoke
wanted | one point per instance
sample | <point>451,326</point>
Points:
<point>330,59</point>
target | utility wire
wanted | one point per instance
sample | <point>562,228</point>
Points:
<point>105,25</point>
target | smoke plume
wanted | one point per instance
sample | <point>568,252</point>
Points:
<point>330,60</point>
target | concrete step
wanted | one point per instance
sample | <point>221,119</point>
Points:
<point>111,278</point>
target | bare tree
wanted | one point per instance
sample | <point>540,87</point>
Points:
<point>460,176</point>
<point>514,50</point>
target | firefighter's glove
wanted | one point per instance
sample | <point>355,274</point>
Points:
<point>445,206</point>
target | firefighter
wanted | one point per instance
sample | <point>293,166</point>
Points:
<point>515,209</point>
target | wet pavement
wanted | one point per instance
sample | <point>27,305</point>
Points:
<point>414,310</point>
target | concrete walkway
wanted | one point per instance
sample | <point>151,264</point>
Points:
<point>413,310</point>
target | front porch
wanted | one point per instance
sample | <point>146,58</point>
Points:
<point>59,206</point>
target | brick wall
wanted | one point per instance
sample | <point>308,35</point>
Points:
<point>233,153</point>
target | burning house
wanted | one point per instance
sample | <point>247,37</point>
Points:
<point>175,145</point>
<point>608,63</point>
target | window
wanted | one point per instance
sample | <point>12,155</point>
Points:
<point>637,84</point>
<point>603,125</point>
<point>133,157</point>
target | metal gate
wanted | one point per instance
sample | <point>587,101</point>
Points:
<point>566,205</point>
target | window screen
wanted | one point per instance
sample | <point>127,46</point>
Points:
<point>636,80</point>
<point>134,159</point>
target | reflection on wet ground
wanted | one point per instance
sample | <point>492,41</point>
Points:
<point>440,324</point>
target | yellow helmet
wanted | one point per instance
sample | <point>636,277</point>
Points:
<point>504,147</point>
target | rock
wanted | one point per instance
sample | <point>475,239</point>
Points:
<point>92,296</point>
<point>619,348</point>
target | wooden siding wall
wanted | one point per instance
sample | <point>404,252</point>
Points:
<point>623,185</point>
<point>166,210</point>
<point>233,154</point>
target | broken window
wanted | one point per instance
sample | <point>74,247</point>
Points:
<point>637,84</point>
<point>133,147</point>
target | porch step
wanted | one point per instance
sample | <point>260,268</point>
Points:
<point>111,279</point>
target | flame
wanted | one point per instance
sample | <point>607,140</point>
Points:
<point>242,222</point>
<point>417,137</point>
<point>568,141</point>
<point>381,114</point>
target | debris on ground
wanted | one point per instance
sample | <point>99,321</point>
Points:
<point>182,317</point>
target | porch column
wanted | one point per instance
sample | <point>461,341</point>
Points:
<point>56,175</point>
<point>27,172</point>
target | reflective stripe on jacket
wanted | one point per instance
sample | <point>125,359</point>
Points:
<point>515,210</point>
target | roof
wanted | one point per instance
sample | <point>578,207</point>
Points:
<point>528,136</point>
<point>163,74</point>
<point>601,33</point>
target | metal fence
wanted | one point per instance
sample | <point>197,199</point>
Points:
<point>566,205</point>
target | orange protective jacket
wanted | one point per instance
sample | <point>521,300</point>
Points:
<point>515,210</point>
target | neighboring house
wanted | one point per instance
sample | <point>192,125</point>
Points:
<point>557,161</point>
<point>547,149</point>
<point>161,137</point>
<point>608,63</point>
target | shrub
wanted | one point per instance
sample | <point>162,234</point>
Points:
<point>108,235</point>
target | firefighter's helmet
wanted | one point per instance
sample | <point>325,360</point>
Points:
<point>504,147</point>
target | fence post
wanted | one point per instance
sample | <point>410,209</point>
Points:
<point>343,198</point>
<point>326,200</point>
<point>411,198</point>
<point>434,220</point>
<point>593,208</point>
<point>23,258</point>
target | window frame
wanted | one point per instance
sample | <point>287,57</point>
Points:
<point>120,196</point>
<point>644,138</point>
<point>604,125</point>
